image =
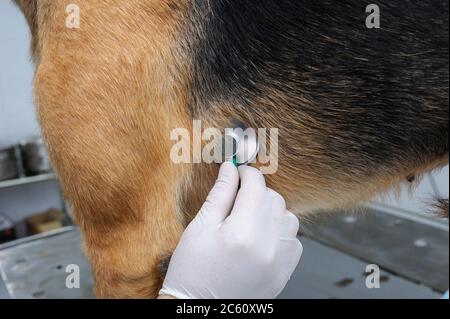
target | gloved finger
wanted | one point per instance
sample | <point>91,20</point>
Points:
<point>220,200</point>
<point>295,249</point>
<point>289,225</point>
<point>252,194</point>
<point>277,202</point>
<point>251,176</point>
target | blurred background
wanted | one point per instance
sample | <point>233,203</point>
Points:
<point>20,199</point>
<point>36,234</point>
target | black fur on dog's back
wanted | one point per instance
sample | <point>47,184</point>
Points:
<point>349,101</point>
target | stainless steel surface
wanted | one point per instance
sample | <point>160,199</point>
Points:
<point>35,268</point>
<point>27,180</point>
<point>34,156</point>
<point>30,270</point>
<point>327,273</point>
<point>8,166</point>
<point>423,218</point>
<point>5,223</point>
<point>4,294</point>
<point>418,252</point>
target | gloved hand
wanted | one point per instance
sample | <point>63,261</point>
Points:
<point>237,247</point>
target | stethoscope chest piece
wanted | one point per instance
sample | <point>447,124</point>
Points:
<point>240,146</point>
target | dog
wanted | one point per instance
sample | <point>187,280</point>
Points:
<point>359,110</point>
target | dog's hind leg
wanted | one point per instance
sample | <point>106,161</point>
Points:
<point>108,95</point>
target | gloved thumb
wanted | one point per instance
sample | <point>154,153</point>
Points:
<point>220,200</point>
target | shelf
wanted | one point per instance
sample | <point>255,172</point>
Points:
<point>27,180</point>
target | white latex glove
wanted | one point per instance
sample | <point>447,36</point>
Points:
<point>249,253</point>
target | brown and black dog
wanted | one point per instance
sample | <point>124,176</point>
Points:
<point>359,110</point>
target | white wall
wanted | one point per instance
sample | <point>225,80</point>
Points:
<point>17,116</point>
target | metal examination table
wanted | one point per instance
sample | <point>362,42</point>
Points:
<point>414,258</point>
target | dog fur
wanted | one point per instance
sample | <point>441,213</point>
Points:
<point>359,110</point>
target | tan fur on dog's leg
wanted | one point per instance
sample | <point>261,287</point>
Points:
<point>107,102</point>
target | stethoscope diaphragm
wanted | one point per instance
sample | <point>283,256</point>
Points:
<point>240,146</point>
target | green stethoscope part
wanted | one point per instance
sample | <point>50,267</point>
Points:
<point>234,161</point>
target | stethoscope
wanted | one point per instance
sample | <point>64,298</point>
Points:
<point>240,145</point>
